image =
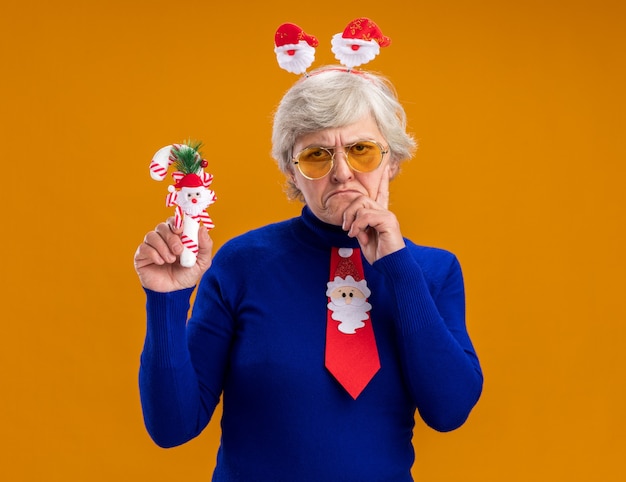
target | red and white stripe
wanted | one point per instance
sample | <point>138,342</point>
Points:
<point>158,170</point>
<point>207,179</point>
<point>206,220</point>
<point>179,215</point>
<point>161,161</point>
<point>171,198</point>
<point>189,243</point>
<point>177,176</point>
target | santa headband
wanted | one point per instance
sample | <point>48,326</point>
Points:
<point>359,43</point>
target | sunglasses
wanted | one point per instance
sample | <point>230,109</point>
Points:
<point>362,156</point>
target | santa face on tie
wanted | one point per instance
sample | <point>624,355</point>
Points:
<point>348,303</point>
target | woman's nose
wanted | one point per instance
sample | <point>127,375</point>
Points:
<point>341,170</point>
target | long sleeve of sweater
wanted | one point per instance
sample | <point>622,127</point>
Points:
<point>439,361</point>
<point>170,393</point>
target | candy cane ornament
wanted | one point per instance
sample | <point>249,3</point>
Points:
<point>190,193</point>
<point>160,163</point>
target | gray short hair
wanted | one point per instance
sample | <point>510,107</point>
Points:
<point>330,97</point>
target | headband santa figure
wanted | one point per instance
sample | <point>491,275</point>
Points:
<point>190,193</point>
<point>359,43</point>
<point>294,48</point>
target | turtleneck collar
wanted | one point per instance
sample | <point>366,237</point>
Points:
<point>312,231</point>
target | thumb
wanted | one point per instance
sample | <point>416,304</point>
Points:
<point>205,248</point>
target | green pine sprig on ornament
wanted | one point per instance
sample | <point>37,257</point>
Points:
<point>188,159</point>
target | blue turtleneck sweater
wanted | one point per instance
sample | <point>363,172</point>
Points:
<point>257,334</point>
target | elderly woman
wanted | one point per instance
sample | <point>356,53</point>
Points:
<point>274,303</point>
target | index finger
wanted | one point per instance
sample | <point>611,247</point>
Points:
<point>382,196</point>
<point>171,235</point>
<point>171,223</point>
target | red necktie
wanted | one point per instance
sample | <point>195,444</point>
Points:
<point>351,354</point>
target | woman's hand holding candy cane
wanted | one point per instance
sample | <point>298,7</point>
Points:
<point>157,259</point>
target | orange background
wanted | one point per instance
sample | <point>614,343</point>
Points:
<point>519,109</point>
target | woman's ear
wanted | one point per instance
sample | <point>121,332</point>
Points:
<point>394,169</point>
<point>292,178</point>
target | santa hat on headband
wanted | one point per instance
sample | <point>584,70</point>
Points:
<point>359,43</point>
<point>295,49</point>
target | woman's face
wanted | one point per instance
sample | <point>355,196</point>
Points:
<point>329,196</point>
